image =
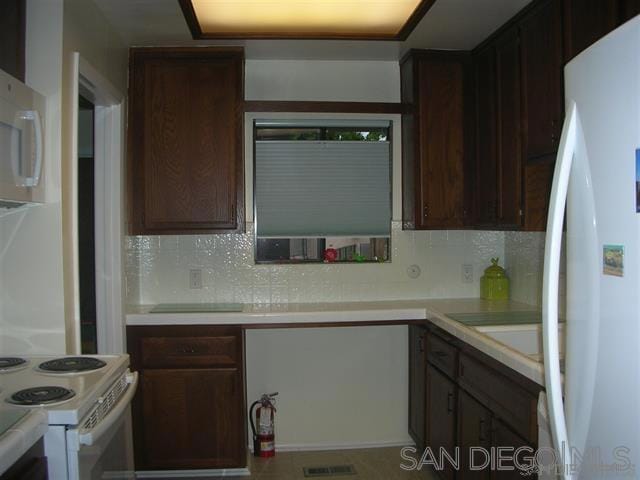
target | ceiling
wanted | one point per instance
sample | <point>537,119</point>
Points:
<point>449,24</point>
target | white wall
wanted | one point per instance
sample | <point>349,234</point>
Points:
<point>343,386</point>
<point>35,296</point>
<point>85,30</point>
<point>322,80</point>
<point>524,262</point>
<point>32,297</point>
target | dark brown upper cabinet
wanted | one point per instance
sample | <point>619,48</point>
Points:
<point>542,77</point>
<point>434,138</point>
<point>486,188</point>
<point>185,140</point>
<point>498,133</point>
<point>586,21</point>
<point>509,129</point>
<point>12,37</point>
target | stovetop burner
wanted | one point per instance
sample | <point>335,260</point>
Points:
<point>41,396</point>
<point>72,365</point>
<point>11,363</point>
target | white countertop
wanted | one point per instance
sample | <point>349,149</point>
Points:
<point>21,436</point>
<point>384,311</point>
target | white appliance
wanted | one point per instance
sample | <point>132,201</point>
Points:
<point>89,435</point>
<point>596,176</point>
<point>21,143</point>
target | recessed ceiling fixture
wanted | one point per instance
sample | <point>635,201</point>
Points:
<point>317,19</point>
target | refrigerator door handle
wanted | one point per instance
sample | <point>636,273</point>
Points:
<point>553,244</point>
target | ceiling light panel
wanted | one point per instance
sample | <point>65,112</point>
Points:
<point>374,19</point>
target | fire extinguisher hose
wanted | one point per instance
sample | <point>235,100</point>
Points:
<point>256,443</point>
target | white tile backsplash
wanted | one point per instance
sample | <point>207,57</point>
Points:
<point>524,262</point>
<point>157,269</point>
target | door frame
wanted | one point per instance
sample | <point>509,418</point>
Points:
<point>109,153</point>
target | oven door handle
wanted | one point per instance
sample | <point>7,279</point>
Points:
<point>91,436</point>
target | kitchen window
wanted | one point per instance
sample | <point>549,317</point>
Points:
<point>322,191</point>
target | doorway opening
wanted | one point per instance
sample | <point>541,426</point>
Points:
<point>86,226</point>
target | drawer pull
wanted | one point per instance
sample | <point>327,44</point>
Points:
<point>481,435</point>
<point>440,354</point>
<point>450,402</point>
<point>188,350</point>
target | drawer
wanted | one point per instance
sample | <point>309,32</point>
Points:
<point>442,354</point>
<point>189,352</point>
<point>510,402</point>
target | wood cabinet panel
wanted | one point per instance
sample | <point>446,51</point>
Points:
<point>192,418</point>
<point>189,411</point>
<point>586,21</point>
<point>442,414</point>
<point>509,129</point>
<point>191,352</point>
<point>434,139</point>
<point>542,74</point>
<point>12,37</point>
<point>503,396</point>
<point>185,133</point>
<point>538,177</point>
<point>503,437</point>
<point>32,465</point>
<point>486,136</point>
<point>417,384</point>
<point>474,430</point>
<point>442,354</point>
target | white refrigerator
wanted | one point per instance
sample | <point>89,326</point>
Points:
<point>594,409</point>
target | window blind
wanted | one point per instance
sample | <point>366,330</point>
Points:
<point>322,188</point>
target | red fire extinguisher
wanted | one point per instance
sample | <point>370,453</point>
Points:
<point>264,440</point>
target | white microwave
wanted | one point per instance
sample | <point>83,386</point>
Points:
<point>21,143</point>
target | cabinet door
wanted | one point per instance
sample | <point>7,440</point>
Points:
<point>628,10</point>
<point>538,177</point>
<point>12,37</point>
<point>586,21</point>
<point>541,48</point>
<point>486,166</point>
<point>441,134</point>
<point>474,430</point>
<point>441,408</point>
<point>504,438</point>
<point>191,419</point>
<point>185,142</point>
<point>417,379</point>
<point>509,129</point>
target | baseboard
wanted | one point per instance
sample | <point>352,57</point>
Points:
<point>214,472</point>
<point>310,447</point>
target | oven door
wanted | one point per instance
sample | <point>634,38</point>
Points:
<point>106,450</point>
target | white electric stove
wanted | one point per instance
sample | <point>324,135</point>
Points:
<point>87,401</point>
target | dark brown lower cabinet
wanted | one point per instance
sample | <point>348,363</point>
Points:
<point>31,466</point>
<point>189,409</point>
<point>504,438</point>
<point>417,372</point>
<point>197,424</point>
<point>474,404</point>
<point>474,432</point>
<point>441,415</point>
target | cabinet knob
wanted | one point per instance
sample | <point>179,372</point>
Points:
<point>481,434</point>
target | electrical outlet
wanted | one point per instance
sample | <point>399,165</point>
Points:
<point>467,273</point>
<point>195,278</point>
